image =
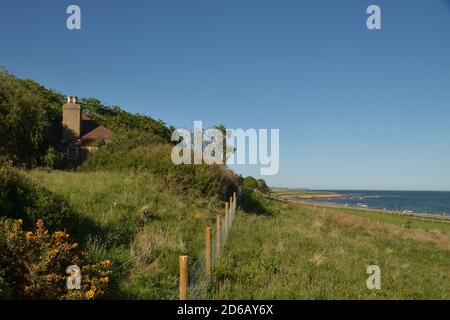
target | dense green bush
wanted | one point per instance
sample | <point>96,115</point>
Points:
<point>250,184</point>
<point>28,113</point>
<point>22,199</point>
<point>262,186</point>
<point>122,122</point>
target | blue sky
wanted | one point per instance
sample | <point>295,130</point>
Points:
<point>356,108</point>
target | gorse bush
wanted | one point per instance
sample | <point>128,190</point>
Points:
<point>33,264</point>
<point>22,199</point>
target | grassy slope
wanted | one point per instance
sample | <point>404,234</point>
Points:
<point>303,253</point>
<point>138,223</point>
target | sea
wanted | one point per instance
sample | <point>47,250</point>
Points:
<point>432,202</point>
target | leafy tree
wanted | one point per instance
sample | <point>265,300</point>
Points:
<point>249,184</point>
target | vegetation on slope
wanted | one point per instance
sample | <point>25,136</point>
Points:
<point>128,202</point>
<point>30,119</point>
<point>142,225</point>
<point>212,181</point>
<point>34,255</point>
<point>30,116</point>
<point>302,252</point>
<point>22,199</point>
<point>28,113</point>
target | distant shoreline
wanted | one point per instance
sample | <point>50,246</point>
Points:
<point>308,199</point>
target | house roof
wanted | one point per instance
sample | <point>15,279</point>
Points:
<point>91,130</point>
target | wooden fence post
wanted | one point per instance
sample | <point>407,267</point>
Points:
<point>231,203</point>
<point>218,236</point>
<point>225,220</point>
<point>183,277</point>
<point>208,260</point>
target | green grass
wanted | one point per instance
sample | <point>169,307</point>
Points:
<point>290,252</point>
<point>410,222</point>
<point>300,193</point>
<point>138,223</point>
<point>303,253</point>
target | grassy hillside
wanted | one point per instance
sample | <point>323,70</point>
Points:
<point>302,252</point>
<point>127,203</point>
<point>133,212</point>
<point>138,223</point>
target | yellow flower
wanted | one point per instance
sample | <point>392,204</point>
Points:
<point>40,224</point>
<point>104,280</point>
<point>90,294</point>
<point>53,253</point>
<point>61,235</point>
<point>19,222</point>
<point>106,263</point>
<point>29,235</point>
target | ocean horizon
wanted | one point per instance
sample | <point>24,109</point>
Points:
<point>431,202</point>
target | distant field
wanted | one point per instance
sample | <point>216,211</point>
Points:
<point>302,194</point>
<point>302,252</point>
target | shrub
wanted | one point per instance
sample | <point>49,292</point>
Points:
<point>28,113</point>
<point>53,159</point>
<point>255,203</point>
<point>33,264</point>
<point>262,186</point>
<point>20,198</point>
<point>249,184</point>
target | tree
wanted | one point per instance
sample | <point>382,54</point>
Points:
<point>250,184</point>
<point>28,112</point>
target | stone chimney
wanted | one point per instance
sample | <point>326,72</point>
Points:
<point>71,119</point>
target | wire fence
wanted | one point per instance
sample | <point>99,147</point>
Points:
<point>196,275</point>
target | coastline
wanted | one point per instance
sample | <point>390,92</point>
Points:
<point>309,201</point>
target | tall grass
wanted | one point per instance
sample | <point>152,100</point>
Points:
<point>141,225</point>
<point>214,181</point>
<point>305,253</point>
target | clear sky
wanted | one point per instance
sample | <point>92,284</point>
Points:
<point>355,108</point>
